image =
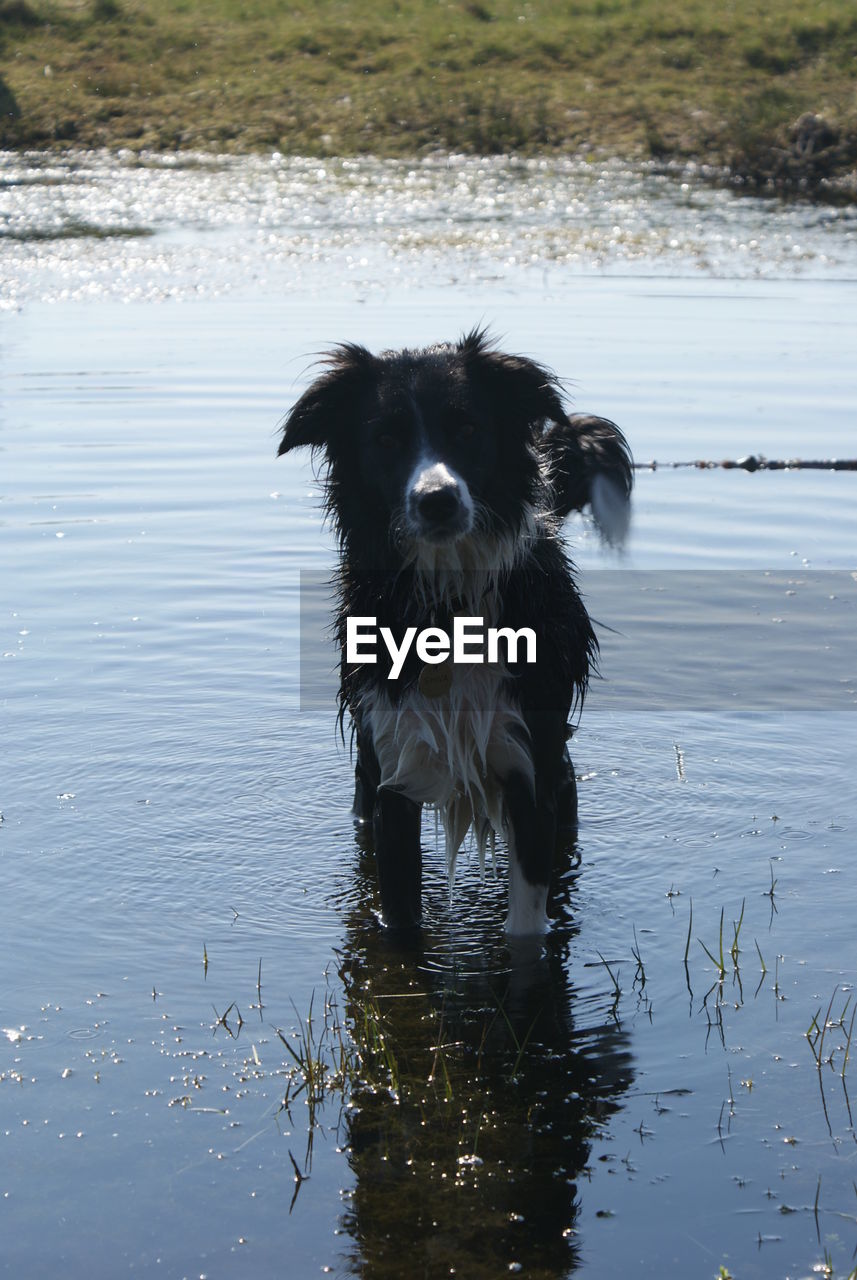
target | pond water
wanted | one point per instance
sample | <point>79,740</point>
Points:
<point>187,906</point>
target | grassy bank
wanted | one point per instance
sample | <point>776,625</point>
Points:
<point>640,78</point>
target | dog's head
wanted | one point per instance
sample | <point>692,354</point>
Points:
<point>428,446</point>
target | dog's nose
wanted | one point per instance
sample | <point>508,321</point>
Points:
<point>437,506</point>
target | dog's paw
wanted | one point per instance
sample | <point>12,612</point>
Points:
<point>527,916</point>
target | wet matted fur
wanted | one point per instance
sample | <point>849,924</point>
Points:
<point>447,473</point>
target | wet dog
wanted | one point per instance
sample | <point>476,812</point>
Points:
<point>448,471</point>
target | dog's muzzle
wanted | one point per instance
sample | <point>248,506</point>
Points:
<point>438,504</point>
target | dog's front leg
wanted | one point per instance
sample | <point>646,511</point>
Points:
<point>367,775</point>
<point>566,803</point>
<point>531,828</point>
<point>396,824</point>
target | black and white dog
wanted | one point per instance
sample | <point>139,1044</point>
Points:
<point>448,473</point>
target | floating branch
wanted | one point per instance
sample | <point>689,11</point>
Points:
<point>754,462</point>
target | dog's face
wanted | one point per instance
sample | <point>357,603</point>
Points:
<point>426,447</point>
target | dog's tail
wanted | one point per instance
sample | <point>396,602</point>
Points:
<point>589,463</point>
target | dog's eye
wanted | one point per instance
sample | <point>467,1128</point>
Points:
<point>466,429</point>
<point>386,441</point>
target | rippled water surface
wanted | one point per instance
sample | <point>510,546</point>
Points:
<point>181,877</point>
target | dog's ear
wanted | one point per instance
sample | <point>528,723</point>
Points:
<point>589,461</point>
<point>325,406</point>
<point>529,389</point>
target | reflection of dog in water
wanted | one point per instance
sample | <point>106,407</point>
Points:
<point>449,470</point>
<point>504,1078</point>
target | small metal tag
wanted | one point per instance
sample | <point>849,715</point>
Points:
<point>435,681</point>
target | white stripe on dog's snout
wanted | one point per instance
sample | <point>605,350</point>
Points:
<point>431,474</point>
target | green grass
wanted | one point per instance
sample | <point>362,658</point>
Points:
<point>638,78</point>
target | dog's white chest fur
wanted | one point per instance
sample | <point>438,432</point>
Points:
<point>453,752</point>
